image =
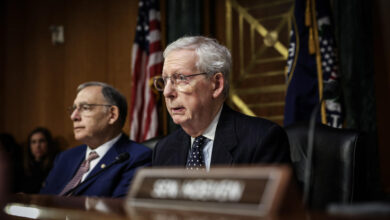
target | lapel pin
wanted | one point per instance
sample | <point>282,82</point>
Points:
<point>103,165</point>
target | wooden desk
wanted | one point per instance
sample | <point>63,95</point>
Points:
<point>56,207</point>
<point>74,208</point>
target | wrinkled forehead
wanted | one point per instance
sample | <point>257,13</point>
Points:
<point>91,95</point>
<point>181,61</point>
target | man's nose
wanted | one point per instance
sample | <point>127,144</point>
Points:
<point>170,90</point>
<point>75,115</point>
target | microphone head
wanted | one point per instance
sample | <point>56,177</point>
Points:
<point>331,90</point>
<point>122,157</point>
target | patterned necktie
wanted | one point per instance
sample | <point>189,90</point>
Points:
<point>84,167</point>
<point>195,160</point>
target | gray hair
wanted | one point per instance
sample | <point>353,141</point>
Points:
<point>212,56</point>
<point>112,96</point>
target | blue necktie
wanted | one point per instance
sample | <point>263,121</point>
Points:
<point>195,159</point>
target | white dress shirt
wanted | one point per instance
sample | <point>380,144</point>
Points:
<point>101,151</point>
<point>209,133</point>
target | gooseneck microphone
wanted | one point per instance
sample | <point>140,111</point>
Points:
<point>119,159</point>
<point>330,91</point>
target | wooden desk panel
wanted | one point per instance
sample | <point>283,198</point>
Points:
<point>75,208</point>
<point>56,207</point>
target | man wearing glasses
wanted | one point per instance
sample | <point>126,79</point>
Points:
<point>195,84</point>
<point>105,164</point>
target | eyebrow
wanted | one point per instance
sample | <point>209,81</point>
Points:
<point>81,103</point>
<point>174,71</point>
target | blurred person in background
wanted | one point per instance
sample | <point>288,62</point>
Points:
<point>40,152</point>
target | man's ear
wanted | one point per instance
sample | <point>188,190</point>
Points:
<point>114,114</point>
<point>218,84</point>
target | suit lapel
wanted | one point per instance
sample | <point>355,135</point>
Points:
<point>225,138</point>
<point>179,149</point>
<point>79,158</point>
<point>184,147</point>
<point>108,158</point>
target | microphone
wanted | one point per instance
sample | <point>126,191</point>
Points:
<point>118,159</point>
<point>122,157</point>
<point>330,91</point>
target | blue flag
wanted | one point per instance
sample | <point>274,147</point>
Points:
<point>312,61</point>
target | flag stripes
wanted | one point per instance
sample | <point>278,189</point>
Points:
<point>146,63</point>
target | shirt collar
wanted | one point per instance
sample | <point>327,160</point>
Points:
<point>209,133</point>
<point>102,149</point>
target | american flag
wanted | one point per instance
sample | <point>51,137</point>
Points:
<point>329,62</point>
<point>146,63</point>
<point>303,70</point>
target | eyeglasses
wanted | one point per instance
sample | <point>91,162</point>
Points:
<point>84,108</point>
<point>177,79</point>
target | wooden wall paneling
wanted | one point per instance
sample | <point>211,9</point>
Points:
<point>257,35</point>
<point>14,66</point>
<point>44,68</point>
<point>43,65</point>
<point>39,79</point>
<point>106,43</point>
<point>85,43</point>
<point>121,32</point>
<point>2,58</point>
<point>55,84</point>
<point>85,49</point>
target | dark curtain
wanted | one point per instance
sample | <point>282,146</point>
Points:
<point>184,17</point>
<point>353,21</point>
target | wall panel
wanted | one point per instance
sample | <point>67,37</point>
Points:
<point>39,79</point>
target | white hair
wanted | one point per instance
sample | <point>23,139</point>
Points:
<point>212,56</point>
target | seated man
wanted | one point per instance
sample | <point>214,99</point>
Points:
<point>195,83</point>
<point>98,115</point>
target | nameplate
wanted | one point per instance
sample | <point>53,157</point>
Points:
<point>256,191</point>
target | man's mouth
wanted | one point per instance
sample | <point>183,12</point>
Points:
<point>177,109</point>
<point>78,128</point>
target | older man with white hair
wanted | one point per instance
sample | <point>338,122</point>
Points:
<point>195,84</point>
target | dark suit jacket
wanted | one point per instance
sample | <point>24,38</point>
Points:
<point>239,139</point>
<point>113,182</point>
